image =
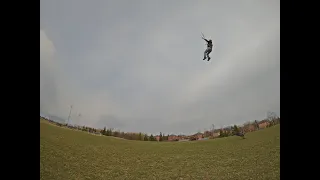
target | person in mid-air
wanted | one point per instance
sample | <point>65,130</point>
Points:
<point>208,50</point>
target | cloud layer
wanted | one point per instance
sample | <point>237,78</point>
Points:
<point>138,66</point>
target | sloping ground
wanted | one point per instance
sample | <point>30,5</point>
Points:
<point>68,154</point>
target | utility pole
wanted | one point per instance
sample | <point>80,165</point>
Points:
<point>69,114</point>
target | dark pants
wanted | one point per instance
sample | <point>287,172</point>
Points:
<point>207,52</point>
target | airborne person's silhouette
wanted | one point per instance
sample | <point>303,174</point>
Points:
<point>208,50</point>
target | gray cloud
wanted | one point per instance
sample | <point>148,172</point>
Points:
<point>141,62</point>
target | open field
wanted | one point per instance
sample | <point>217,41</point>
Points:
<point>67,154</point>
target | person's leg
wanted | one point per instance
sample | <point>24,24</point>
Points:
<point>205,54</point>
<point>208,52</point>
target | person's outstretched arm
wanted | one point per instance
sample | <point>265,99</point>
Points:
<point>205,40</point>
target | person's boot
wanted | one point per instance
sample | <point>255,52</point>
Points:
<point>209,59</point>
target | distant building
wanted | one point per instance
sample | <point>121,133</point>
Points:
<point>263,124</point>
<point>216,134</point>
<point>173,137</point>
<point>198,136</point>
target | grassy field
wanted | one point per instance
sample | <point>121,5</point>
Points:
<point>67,154</point>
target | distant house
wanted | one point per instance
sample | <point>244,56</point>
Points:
<point>173,137</point>
<point>207,133</point>
<point>97,133</point>
<point>249,128</point>
<point>223,130</point>
<point>182,137</point>
<point>198,136</point>
<point>216,134</point>
<point>157,138</point>
<point>263,124</point>
<point>227,130</point>
<point>216,131</point>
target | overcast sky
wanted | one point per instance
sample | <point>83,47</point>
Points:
<point>137,65</point>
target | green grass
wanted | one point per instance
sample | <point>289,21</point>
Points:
<point>68,154</point>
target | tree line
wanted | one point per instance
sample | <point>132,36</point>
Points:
<point>132,136</point>
<point>272,119</point>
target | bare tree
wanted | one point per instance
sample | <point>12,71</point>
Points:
<point>256,124</point>
<point>212,129</point>
<point>272,117</point>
